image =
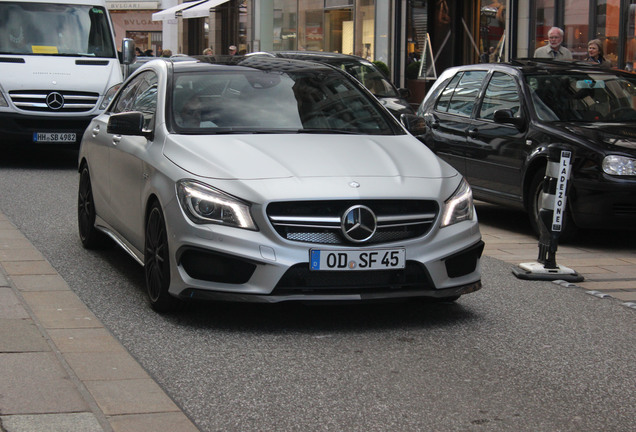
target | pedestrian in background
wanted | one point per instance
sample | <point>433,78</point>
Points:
<point>166,53</point>
<point>554,49</point>
<point>595,53</point>
<point>232,50</point>
<point>208,51</point>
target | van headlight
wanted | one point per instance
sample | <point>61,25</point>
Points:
<point>619,165</point>
<point>108,96</point>
<point>204,204</point>
<point>459,207</point>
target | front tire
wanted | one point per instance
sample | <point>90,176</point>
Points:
<point>90,236</point>
<point>157,262</point>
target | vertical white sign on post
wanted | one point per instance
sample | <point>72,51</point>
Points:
<point>561,187</point>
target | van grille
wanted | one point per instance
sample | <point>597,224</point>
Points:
<point>58,101</point>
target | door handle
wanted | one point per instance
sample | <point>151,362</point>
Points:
<point>435,124</point>
<point>95,131</point>
<point>473,133</point>
<point>116,139</point>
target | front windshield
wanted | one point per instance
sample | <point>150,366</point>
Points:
<point>371,78</point>
<point>55,29</point>
<point>261,101</point>
<point>583,97</point>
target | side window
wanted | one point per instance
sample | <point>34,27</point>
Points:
<point>145,100</point>
<point>126,97</point>
<point>502,93</point>
<point>465,94</point>
<point>444,100</point>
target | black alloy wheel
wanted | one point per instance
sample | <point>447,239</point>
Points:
<point>157,262</point>
<point>90,236</point>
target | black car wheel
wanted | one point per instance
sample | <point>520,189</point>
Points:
<point>536,186</point>
<point>90,236</point>
<point>157,262</point>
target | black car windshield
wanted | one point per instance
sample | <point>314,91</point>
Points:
<point>245,100</point>
<point>583,97</point>
<point>55,29</point>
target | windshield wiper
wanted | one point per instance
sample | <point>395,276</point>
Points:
<point>329,131</point>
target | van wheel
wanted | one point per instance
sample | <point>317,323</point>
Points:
<point>90,236</point>
<point>157,262</point>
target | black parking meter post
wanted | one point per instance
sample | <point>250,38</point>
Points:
<point>552,219</point>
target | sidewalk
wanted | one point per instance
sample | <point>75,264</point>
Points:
<point>62,371</point>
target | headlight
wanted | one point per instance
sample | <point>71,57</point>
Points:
<point>108,96</point>
<point>3,101</point>
<point>619,165</point>
<point>204,204</point>
<point>459,207</point>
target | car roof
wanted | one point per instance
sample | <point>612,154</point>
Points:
<point>544,66</point>
<point>201,63</point>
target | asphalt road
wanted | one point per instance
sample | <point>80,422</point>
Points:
<point>515,356</point>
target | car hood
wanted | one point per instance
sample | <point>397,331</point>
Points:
<point>258,156</point>
<point>614,136</point>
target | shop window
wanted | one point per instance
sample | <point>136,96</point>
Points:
<point>492,29</point>
<point>607,26</point>
<point>576,28</point>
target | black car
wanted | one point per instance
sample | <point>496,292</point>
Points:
<point>493,123</point>
<point>363,70</point>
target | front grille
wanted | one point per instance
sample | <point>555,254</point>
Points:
<point>35,100</point>
<point>299,279</point>
<point>320,221</point>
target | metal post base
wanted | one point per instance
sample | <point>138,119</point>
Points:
<point>537,271</point>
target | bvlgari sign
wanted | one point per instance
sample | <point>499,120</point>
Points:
<point>132,5</point>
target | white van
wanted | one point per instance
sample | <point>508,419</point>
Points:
<point>59,67</point>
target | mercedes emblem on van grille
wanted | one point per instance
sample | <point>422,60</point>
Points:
<point>55,100</point>
<point>358,223</point>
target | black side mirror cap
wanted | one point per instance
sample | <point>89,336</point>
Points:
<point>127,123</point>
<point>507,116</point>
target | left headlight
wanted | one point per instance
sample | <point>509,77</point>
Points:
<point>108,96</point>
<point>204,204</point>
<point>459,207</point>
<point>619,165</point>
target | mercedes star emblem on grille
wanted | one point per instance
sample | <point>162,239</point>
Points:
<point>358,223</point>
<point>55,100</point>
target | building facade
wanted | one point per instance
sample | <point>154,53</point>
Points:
<point>416,38</point>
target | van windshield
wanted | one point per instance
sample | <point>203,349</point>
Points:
<point>55,29</point>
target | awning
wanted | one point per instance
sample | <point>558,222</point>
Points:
<point>171,13</point>
<point>202,10</point>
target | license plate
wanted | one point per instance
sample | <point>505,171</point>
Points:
<point>53,137</point>
<point>373,259</point>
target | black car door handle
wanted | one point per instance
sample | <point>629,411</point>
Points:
<point>473,133</point>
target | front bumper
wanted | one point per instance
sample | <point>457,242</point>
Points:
<point>221,263</point>
<point>606,204</point>
<point>18,129</point>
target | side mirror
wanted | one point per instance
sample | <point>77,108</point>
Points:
<point>414,124</point>
<point>127,123</point>
<point>128,51</point>
<point>507,116</point>
<point>404,93</point>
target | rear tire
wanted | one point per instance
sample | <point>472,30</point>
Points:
<point>157,262</point>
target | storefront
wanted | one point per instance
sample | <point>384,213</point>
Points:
<point>133,19</point>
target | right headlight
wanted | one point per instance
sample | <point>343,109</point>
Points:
<point>204,204</point>
<point>459,207</point>
<point>619,165</point>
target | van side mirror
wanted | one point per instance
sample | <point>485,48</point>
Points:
<point>128,51</point>
<point>507,116</point>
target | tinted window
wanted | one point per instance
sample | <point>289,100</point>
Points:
<point>145,100</point>
<point>501,93</point>
<point>460,96</point>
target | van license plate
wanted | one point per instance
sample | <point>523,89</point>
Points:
<point>54,137</point>
<point>372,259</point>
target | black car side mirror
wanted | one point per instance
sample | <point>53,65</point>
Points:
<point>507,116</point>
<point>414,124</point>
<point>127,123</point>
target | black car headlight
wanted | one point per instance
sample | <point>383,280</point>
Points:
<point>204,204</point>
<point>619,165</point>
<point>459,207</point>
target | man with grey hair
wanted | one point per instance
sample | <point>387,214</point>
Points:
<point>554,49</point>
